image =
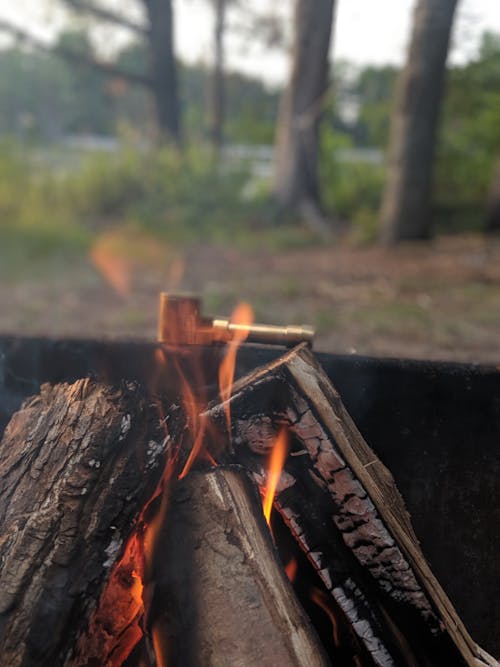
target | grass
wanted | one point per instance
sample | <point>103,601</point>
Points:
<point>400,316</point>
<point>102,235</point>
<point>126,203</point>
<point>326,320</point>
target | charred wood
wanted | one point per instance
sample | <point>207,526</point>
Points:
<point>219,587</point>
<point>77,464</point>
<point>362,545</point>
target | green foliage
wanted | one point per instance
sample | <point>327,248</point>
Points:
<point>160,198</point>
<point>362,100</point>
<point>35,220</point>
<point>252,110</point>
<point>469,143</point>
<point>351,190</point>
<point>467,152</point>
<point>177,196</point>
<point>375,88</point>
<point>42,96</point>
<point>85,94</point>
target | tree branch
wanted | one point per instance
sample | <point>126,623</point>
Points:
<point>85,7</point>
<point>107,69</point>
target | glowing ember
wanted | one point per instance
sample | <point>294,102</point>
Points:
<point>291,569</point>
<point>115,626</point>
<point>242,316</point>
<point>128,594</point>
<point>276,463</point>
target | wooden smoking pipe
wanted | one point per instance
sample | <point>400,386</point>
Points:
<point>181,323</point>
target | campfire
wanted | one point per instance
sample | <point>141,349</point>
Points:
<point>202,521</point>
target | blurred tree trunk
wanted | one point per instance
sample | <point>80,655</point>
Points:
<point>158,33</point>
<point>406,209</point>
<point>163,67</point>
<point>216,90</point>
<point>296,178</point>
<point>493,203</point>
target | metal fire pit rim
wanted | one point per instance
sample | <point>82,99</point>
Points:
<point>409,363</point>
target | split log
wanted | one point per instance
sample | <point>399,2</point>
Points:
<point>77,464</point>
<point>346,513</point>
<point>221,598</point>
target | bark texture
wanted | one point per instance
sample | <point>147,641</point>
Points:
<point>221,596</point>
<point>163,67</point>
<point>406,206</point>
<point>77,464</point>
<point>347,515</point>
<point>296,181</point>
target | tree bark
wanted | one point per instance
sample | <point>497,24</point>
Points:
<point>164,68</point>
<point>221,597</point>
<point>406,206</point>
<point>346,513</point>
<point>296,177</point>
<point>216,90</point>
<point>78,463</point>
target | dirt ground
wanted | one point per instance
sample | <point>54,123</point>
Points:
<point>437,301</point>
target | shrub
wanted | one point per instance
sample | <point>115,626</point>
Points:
<point>180,196</point>
<point>353,190</point>
<point>34,218</point>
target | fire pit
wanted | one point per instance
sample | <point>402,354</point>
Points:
<point>433,425</point>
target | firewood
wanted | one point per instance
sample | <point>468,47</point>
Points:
<point>77,464</point>
<point>343,506</point>
<point>219,589</point>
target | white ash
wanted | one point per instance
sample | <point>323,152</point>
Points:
<point>285,481</point>
<point>112,550</point>
<point>259,433</point>
<point>154,451</point>
<point>124,427</point>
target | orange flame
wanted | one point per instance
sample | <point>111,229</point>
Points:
<point>276,463</point>
<point>324,602</point>
<point>137,562</point>
<point>114,269</point>
<point>197,425</point>
<point>243,316</point>
<point>120,252</point>
<point>159,644</point>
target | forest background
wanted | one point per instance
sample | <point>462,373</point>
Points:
<point>106,196</point>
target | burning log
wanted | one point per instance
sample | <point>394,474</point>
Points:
<point>344,509</point>
<point>221,597</point>
<point>122,572</point>
<point>125,574</point>
<point>75,473</point>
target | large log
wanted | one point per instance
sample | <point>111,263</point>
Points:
<point>77,464</point>
<point>347,514</point>
<point>94,572</point>
<point>221,597</point>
